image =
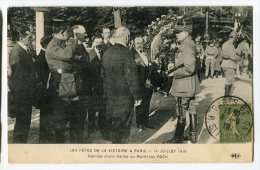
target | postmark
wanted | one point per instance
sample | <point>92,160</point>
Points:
<point>230,120</point>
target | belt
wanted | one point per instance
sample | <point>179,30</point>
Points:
<point>62,70</point>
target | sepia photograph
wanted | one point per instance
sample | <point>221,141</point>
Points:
<point>179,77</point>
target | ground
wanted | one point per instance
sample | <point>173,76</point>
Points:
<point>162,114</point>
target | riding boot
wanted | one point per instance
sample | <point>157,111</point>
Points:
<point>228,90</point>
<point>193,128</point>
<point>178,136</point>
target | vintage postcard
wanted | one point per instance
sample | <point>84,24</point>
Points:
<point>130,84</point>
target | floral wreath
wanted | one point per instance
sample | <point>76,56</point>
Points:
<point>160,40</point>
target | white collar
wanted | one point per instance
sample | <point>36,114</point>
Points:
<point>105,41</point>
<point>22,45</point>
<point>143,57</point>
<point>113,43</point>
<point>97,52</point>
<point>118,42</point>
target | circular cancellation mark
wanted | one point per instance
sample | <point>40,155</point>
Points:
<point>229,119</point>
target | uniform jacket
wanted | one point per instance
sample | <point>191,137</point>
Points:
<point>230,58</point>
<point>96,81</point>
<point>185,82</point>
<point>120,78</point>
<point>59,56</point>
<point>23,76</point>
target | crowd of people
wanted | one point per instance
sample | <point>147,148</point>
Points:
<point>70,82</point>
<point>210,59</point>
<point>75,85</point>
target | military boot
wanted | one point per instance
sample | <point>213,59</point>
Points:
<point>193,128</point>
<point>228,90</point>
<point>178,136</point>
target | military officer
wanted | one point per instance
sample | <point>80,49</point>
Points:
<point>229,63</point>
<point>61,84</point>
<point>185,85</point>
<point>121,87</point>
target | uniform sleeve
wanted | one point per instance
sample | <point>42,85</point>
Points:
<point>65,53</point>
<point>189,63</point>
<point>232,54</point>
<point>131,76</point>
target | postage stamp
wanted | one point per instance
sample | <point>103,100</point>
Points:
<point>230,120</point>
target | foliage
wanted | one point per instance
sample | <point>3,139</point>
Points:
<point>92,18</point>
<point>161,36</point>
<point>18,17</point>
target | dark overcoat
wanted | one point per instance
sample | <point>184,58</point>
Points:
<point>120,81</point>
<point>106,46</point>
<point>23,76</point>
<point>143,75</point>
<point>96,82</point>
<point>185,82</point>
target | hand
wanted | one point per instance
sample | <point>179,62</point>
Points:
<point>137,102</point>
<point>148,84</point>
<point>170,66</point>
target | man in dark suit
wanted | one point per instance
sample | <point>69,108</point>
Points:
<point>42,69</point>
<point>106,34</point>
<point>82,75</point>
<point>22,84</point>
<point>146,89</point>
<point>121,87</point>
<point>98,104</point>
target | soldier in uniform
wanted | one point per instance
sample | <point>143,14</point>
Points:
<point>229,63</point>
<point>121,87</point>
<point>185,85</point>
<point>61,85</point>
<point>22,85</point>
<point>211,53</point>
